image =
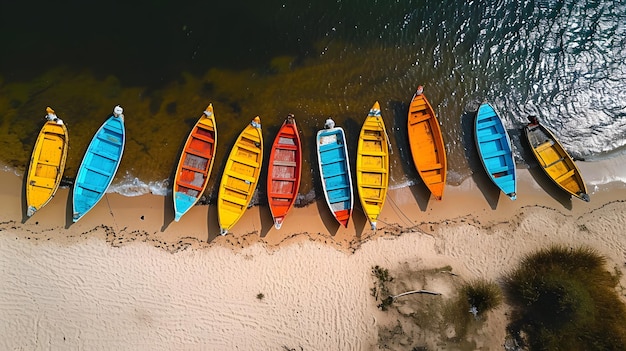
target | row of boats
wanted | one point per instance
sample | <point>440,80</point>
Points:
<point>243,166</point>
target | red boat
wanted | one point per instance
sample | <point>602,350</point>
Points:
<point>283,174</point>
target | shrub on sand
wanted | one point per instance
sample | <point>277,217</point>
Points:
<point>564,299</point>
<point>380,289</point>
<point>473,298</point>
<point>482,296</point>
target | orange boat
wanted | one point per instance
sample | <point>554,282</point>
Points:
<point>195,164</point>
<point>426,142</point>
<point>283,173</point>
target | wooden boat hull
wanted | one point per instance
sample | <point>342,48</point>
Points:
<point>284,171</point>
<point>494,149</point>
<point>426,143</point>
<point>195,164</point>
<point>334,165</point>
<point>372,165</point>
<point>555,161</point>
<point>241,175</point>
<point>99,165</point>
<point>47,164</point>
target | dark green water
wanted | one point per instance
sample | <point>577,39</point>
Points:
<point>164,61</point>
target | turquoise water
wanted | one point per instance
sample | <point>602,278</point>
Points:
<point>164,62</point>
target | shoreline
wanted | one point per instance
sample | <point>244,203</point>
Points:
<point>603,171</point>
<point>89,284</point>
<point>407,209</point>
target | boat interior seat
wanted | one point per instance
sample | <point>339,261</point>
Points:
<point>496,153</point>
<point>334,172</point>
<point>486,123</point>
<point>431,167</point>
<point>500,169</point>
<point>546,145</point>
<point>565,176</point>
<point>490,137</point>
<point>331,146</point>
<point>340,199</point>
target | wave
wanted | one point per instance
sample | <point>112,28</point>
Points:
<point>566,65</point>
<point>598,173</point>
<point>133,186</point>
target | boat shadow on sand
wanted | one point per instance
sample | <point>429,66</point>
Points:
<point>69,209</point>
<point>168,208</point>
<point>489,190</point>
<point>538,175</point>
<point>168,199</point>
<point>213,226</point>
<point>353,126</point>
<point>328,219</point>
<point>480,177</point>
<point>266,218</point>
<point>419,189</point>
<point>24,201</point>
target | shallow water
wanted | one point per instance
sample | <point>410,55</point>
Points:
<point>164,62</point>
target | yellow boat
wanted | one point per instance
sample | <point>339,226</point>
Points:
<point>47,163</point>
<point>372,165</point>
<point>241,175</point>
<point>554,160</point>
<point>426,142</point>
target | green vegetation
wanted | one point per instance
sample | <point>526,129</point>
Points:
<point>380,289</point>
<point>481,296</point>
<point>474,299</point>
<point>564,299</point>
<point>432,308</point>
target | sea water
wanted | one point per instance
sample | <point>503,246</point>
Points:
<point>165,61</point>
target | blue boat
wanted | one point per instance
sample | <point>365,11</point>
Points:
<point>332,154</point>
<point>494,149</point>
<point>99,165</point>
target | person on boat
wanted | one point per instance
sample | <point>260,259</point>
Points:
<point>290,118</point>
<point>420,90</point>
<point>533,120</point>
<point>329,123</point>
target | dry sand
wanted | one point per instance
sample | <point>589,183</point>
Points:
<point>127,277</point>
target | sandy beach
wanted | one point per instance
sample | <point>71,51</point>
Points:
<point>127,277</point>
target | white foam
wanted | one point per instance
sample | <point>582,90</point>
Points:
<point>604,172</point>
<point>133,186</point>
<point>13,170</point>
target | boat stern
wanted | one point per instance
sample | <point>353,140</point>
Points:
<point>278,222</point>
<point>343,216</point>
<point>177,216</point>
<point>76,216</point>
<point>30,211</point>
